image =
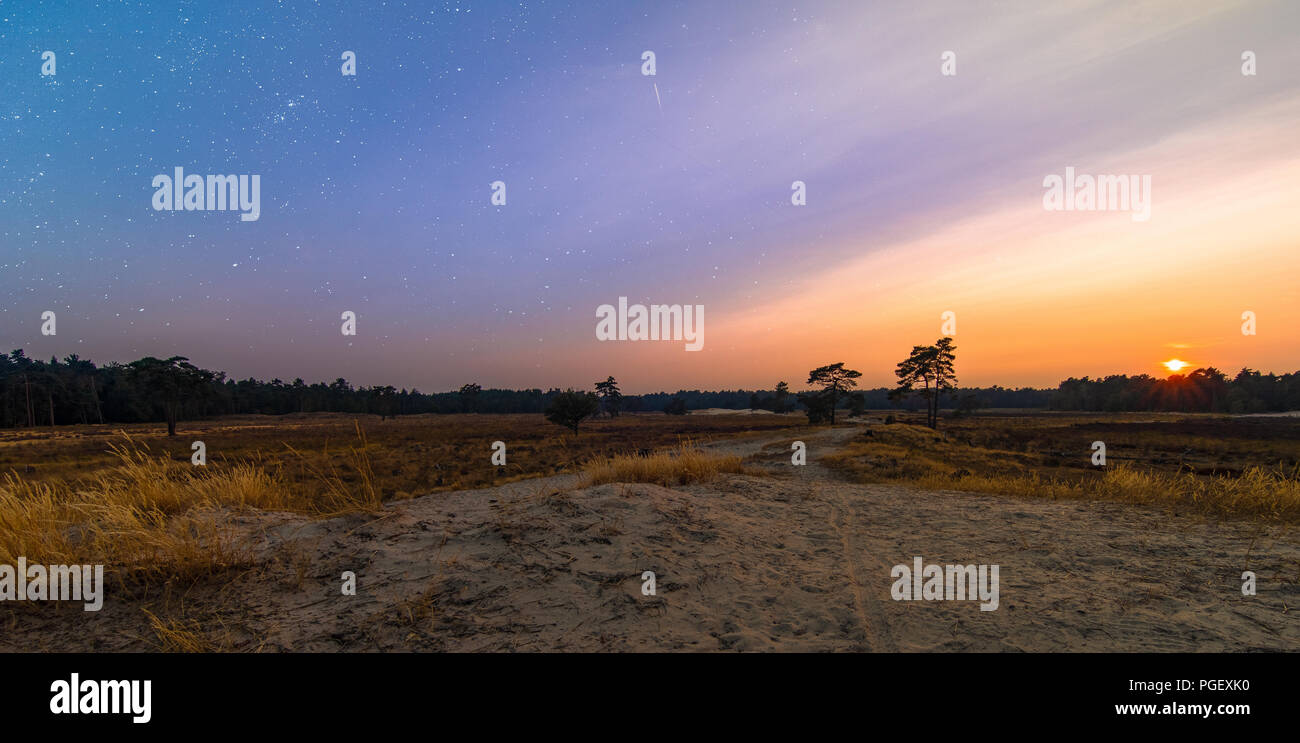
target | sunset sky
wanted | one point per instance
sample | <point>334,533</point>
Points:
<point>924,191</point>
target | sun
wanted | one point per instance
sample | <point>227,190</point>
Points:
<point>1175,365</point>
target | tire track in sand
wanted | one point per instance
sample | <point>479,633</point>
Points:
<point>874,625</point>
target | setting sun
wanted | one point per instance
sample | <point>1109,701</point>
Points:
<point>1175,365</point>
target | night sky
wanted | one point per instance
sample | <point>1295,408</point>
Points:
<point>924,190</point>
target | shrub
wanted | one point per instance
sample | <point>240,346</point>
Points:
<point>570,408</point>
<point>676,406</point>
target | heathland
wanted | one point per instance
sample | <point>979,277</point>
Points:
<point>452,551</point>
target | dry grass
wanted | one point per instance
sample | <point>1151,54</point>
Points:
<point>680,466</point>
<point>135,504</point>
<point>1256,485</point>
<point>407,456</point>
<point>1257,493</point>
<point>180,635</point>
<point>152,518</point>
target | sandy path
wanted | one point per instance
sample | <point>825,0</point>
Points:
<point>798,560</point>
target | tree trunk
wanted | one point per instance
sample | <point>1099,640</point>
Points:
<point>932,406</point>
<point>31,419</point>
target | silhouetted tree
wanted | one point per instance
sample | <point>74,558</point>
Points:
<point>611,398</point>
<point>835,381</point>
<point>817,405</point>
<point>385,400</point>
<point>569,408</point>
<point>172,381</point>
<point>780,403</point>
<point>857,404</point>
<point>932,368</point>
<point>469,397</point>
<point>1213,387</point>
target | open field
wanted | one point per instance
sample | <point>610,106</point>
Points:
<point>1201,443</point>
<point>1210,464</point>
<point>750,552</point>
<point>406,455</point>
<point>133,501</point>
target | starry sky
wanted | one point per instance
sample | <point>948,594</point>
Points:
<point>924,190</point>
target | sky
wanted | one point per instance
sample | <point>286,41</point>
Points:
<point>924,191</point>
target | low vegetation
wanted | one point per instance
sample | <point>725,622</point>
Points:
<point>135,503</point>
<point>681,466</point>
<point>406,456</point>
<point>1251,469</point>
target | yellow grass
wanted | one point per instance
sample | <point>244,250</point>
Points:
<point>153,517</point>
<point>408,456</point>
<point>931,460</point>
<point>1257,492</point>
<point>180,636</point>
<point>680,466</point>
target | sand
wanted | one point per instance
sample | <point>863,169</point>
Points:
<point>796,561</point>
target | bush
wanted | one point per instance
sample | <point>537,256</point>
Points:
<point>818,406</point>
<point>570,408</point>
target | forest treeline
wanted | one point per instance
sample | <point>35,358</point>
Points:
<point>1202,390</point>
<point>75,390</point>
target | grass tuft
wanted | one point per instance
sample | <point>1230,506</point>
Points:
<point>680,466</point>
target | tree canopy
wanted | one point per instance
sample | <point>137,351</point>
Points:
<point>835,381</point>
<point>570,408</point>
<point>931,367</point>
